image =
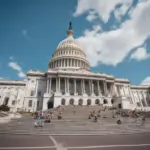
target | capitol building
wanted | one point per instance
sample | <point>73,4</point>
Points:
<point>69,81</point>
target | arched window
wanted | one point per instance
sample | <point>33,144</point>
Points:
<point>13,102</point>
<point>112,101</point>
<point>63,101</point>
<point>71,102</point>
<point>105,101</point>
<point>6,100</point>
<point>80,102</point>
<point>32,93</point>
<point>88,102</point>
<point>97,101</point>
<point>30,103</point>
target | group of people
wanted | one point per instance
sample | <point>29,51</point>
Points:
<point>41,117</point>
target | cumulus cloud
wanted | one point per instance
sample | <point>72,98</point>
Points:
<point>146,81</point>
<point>92,16</point>
<point>15,66</point>
<point>121,11</point>
<point>140,54</point>
<point>102,7</point>
<point>113,46</point>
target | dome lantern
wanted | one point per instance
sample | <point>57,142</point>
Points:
<point>69,55</point>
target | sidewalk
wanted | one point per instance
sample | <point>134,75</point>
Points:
<point>7,117</point>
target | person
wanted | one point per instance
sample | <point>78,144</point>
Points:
<point>113,114</point>
<point>95,118</point>
<point>74,111</point>
<point>99,114</point>
<point>143,119</point>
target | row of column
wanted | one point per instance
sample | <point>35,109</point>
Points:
<point>140,100</point>
<point>68,63</point>
<point>91,86</point>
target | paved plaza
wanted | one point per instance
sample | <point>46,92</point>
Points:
<point>75,131</point>
<point>113,142</point>
<point>77,123</point>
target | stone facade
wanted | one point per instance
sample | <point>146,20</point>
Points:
<point>69,81</point>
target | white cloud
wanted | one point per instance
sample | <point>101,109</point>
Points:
<point>146,81</point>
<point>119,12</point>
<point>111,47</point>
<point>140,54</point>
<point>92,16</point>
<point>15,66</point>
<point>21,75</point>
<point>102,7</point>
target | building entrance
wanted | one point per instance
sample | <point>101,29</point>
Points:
<point>50,104</point>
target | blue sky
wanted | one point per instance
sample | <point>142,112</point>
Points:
<point>115,35</point>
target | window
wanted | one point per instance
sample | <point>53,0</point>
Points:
<point>88,102</point>
<point>38,103</point>
<point>97,101</point>
<point>13,102</point>
<point>30,103</point>
<point>39,93</point>
<point>105,101</point>
<point>63,101</point>
<point>32,93</point>
<point>71,102</point>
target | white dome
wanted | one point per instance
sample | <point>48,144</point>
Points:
<point>68,41</point>
<point>69,55</point>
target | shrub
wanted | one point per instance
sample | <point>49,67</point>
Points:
<point>4,108</point>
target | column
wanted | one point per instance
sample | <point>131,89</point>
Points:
<point>130,94</point>
<point>67,62</point>
<point>71,62</point>
<point>59,84</point>
<point>74,86</point>
<point>123,90</point>
<point>65,85</point>
<point>83,86</point>
<point>56,84</point>
<point>50,80</point>
<point>92,87</point>
<point>105,88</point>
<point>112,89</point>
<point>36,92</point>
<point>144,99</point>
<point>61,62</point>
<point>74,63</point>
<point>98,88</point>
<point>68,85</point>
<point>47,86</point>
<point>133,96</point>
<point>139,98</point>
